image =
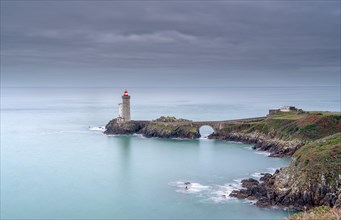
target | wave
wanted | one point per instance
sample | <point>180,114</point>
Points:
<point>221,193</point>
<point>217,193</point>
<point>250,201</point>
<point>257,175</point>
<point>212,193</point>
<point>139,136</point>
<point>248,148</point>
<point>265,153</point>
<point>191,188</point>
<point>272,170</point>
<point>100,128</point>
<point>235,142</point>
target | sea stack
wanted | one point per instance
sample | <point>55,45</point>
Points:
<point>124,108</point>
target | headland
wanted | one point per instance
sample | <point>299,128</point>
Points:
<point>312,139</point>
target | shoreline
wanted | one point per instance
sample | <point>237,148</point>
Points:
<point>284,134</point>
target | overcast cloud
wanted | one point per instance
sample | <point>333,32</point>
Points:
<point>170,43</point>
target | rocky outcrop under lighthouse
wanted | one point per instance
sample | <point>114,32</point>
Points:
<point>164,127</point>
<point>115,127</point>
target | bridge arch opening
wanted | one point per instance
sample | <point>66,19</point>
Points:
<point>205,131</point>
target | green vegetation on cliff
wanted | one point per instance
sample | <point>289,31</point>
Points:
<point>319,162</point>
<point>321,212</point>
<point>170,119</point>
<point>290,126</point>
<point>170,130</point>
<point>163,127</point>
<point>313,178</point>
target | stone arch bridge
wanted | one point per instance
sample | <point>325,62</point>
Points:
<point>218,125</point>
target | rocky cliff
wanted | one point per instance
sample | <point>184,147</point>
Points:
<point>313,178</point>
<point>283,133</point>
<point>314,175</point>
<point>170,131</point>
<point>164,127</point>
<point>126,128</point>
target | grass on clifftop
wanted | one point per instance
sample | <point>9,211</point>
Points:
<point>291,125</point>
<point>171,128</point>
<point>321,212</point>
<point>320,158</point>
<point>170,119</point>
<point>287,115</point>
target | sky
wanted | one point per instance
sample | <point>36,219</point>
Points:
<point>170,43</point>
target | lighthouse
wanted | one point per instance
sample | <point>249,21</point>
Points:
<point>124,108</point>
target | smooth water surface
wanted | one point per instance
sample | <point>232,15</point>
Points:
<point>54,166</point>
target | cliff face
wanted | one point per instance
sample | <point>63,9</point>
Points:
<point>283,133</point>
<point>314,175</point>
<point>126,128</point>
<point>164,127</point>
<point>313,178</point>
<point>170,131</point>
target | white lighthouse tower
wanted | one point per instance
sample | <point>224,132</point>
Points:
<point>124,108</point>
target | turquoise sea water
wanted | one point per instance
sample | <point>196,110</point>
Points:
<point>54,166</point>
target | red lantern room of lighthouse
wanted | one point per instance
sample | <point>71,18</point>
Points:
<point>124,109</point>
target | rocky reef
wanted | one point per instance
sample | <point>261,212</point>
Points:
<point>127,128</point>
<point>312,179</point>
<point>163,127</point>
<point>170,131</point>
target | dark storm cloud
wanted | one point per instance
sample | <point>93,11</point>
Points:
<point>248,37</point>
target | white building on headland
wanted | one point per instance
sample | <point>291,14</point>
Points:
<point>283,109</point>
<point>124,108</point>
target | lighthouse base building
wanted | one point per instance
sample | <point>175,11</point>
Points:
<point>124,108</point>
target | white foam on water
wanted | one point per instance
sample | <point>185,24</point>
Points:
<point>139,135</point>
<point>235,142</point>
<point>257,175</point>
<point>211,193</point>
<point>217,193</point>
<point>100,128</point>
<point>272,170</point>
<point>265,153</point>
<point>191,188</point>
<point>221,193</point>
<point>250,202</point>
<point>238,183</point>
<point>197,187</point>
